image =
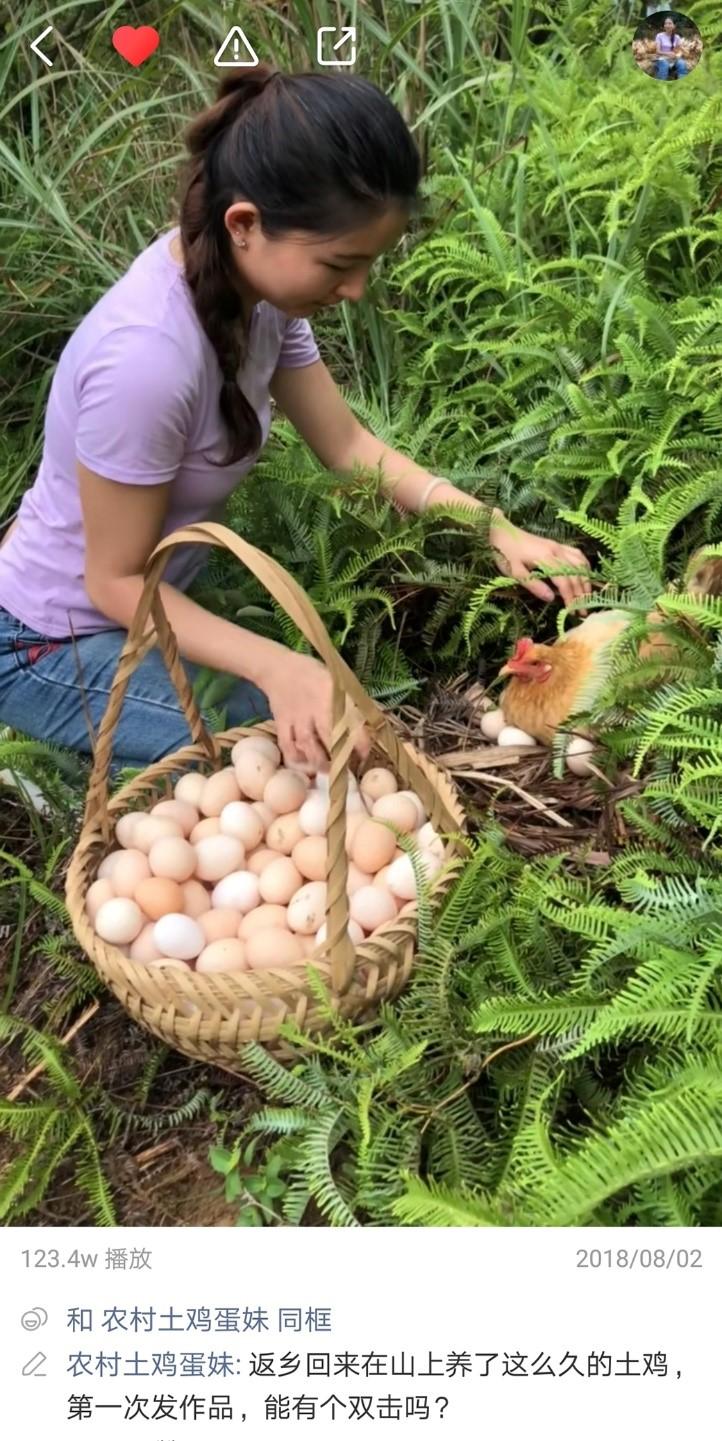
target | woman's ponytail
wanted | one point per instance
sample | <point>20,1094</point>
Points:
<point>209,271</point>
<point>235,90</point>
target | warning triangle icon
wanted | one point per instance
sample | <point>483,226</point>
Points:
<point>236,49</point>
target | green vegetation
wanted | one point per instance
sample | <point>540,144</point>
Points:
<point>549,335</point>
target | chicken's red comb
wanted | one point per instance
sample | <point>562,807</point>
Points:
<point>522,646</point>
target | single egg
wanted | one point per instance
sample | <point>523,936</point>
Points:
<point>154,828</point>
<point>284,832</point>
<point>412,796</point>
<point>185,814</point>
<point>119,921</point>
<point>189,789</point>
<point>217,856</point>
<point>382,877</point>
<point>100,891</point>
<point>279,881</point>
<point>310,855</point>
<point>512,736</point>
<point>179,937</point>
<point>108,864</point>
<point>239,819</point>
<point>356,878</point>
<point>286,791</point>
<point>264,918</point>
<point>430,840</point>
<point>219,791</point>
<point>402,879</point>
<point>196,899</point>
<point>173,858</point>
<point>354,931</point>
<point>158,895</point>
<point>352,824</point>
<point>225,954</point>
<point>492,724</point>
<point>253,771</point>
<point>373,846</point>
<point>578,756</point>
<point>257,742</point>
<point>209,826</point>
<point>239,890</point>
<point>132,868</point>
<point>313,815</point>
<point>378,782</point>
<point>125,827</point>
<point>258,860</point>
<point>220,924</point>
<point>273,949</point>
<point>144,947</point>
<point>372,906</point>
<point>399,810</point>
<point>307,908</point>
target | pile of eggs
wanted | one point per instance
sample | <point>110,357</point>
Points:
<point>230,874</point>
<point>578,752</point>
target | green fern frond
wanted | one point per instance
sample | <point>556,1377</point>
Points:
<point>431,1204</point>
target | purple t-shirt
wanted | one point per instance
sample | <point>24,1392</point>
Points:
<point>135,398</point>
<point>668,42</point>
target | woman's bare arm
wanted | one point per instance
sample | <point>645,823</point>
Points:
<point>123,524</point>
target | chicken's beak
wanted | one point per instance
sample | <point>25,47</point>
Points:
<point>516,664</point>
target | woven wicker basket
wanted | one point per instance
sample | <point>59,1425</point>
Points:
<point>208,1016</point>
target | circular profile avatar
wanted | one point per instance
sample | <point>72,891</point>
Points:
<point>666,44</point>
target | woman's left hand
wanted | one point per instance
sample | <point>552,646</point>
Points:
<point>518,552</point>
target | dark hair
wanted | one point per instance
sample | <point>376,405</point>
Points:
<point>317,152</point>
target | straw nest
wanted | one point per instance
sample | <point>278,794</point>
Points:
<point>538,813</point>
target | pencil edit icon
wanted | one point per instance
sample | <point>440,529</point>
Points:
<point>34,1366</point>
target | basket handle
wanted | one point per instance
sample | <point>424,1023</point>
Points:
<point>289,594</point>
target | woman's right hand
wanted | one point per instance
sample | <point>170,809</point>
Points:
<point>300,692</point>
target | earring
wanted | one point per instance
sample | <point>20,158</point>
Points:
<point>240,242</point>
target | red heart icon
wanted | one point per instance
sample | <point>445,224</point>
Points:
<point>135,44</point>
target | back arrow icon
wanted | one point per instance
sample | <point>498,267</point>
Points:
<point>36,43</point>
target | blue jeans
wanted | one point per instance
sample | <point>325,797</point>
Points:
<point>41,694</point>
<point>663,69</point>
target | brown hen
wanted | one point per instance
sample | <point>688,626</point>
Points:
<point>549,683</point>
